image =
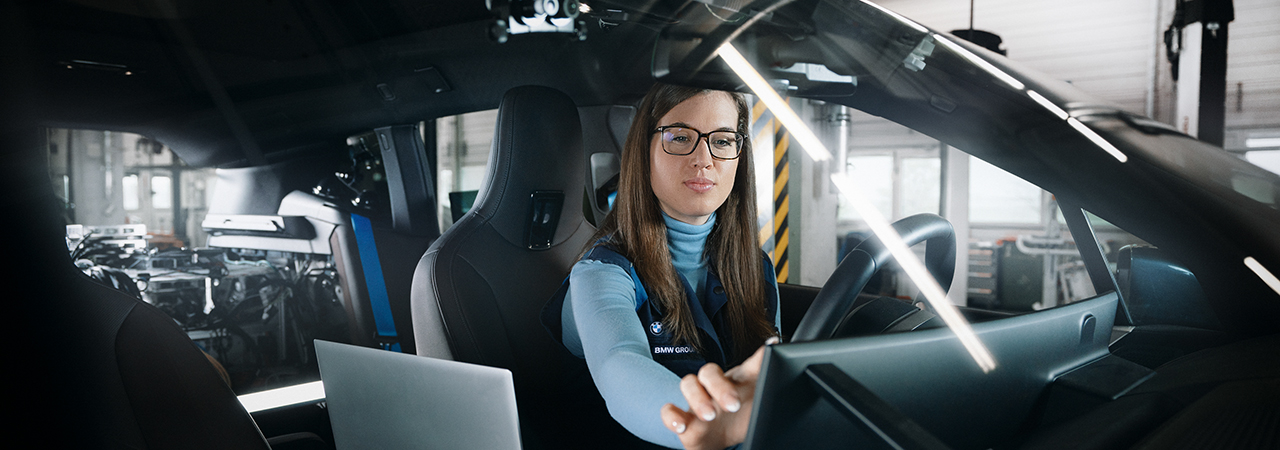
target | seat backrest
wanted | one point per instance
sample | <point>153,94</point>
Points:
<point>478,291</point>
<point>95,367</point>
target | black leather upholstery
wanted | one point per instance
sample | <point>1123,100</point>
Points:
<point>478,290</point>
<point>479,277</point>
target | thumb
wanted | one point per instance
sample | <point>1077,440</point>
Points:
<point>750,369</point>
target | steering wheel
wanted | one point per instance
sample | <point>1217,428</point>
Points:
<point>836,310</point>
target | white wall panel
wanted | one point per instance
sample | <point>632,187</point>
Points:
<point>1101,46</point>
<point>1105,47</point>
<point>1253,61</point>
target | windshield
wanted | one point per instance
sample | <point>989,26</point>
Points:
<point>1063,143</point>
<point>864,56</point>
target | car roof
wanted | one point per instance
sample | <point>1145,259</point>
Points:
<point>248,82</point>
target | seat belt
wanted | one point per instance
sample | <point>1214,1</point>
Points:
<point>379,301</point>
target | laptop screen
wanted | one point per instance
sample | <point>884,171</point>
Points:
<point>386,400</point>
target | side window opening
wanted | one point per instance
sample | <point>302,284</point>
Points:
<point>462,149</point>
<point>1016,253</point>
<point>1022,255</point>
<point>107,178</point>
<point>138,221</point>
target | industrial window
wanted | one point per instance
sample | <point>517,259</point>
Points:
<point>161,192</point>
<point>1015,252</point>
<point>129,186</point>
<point>996,196</point>
<point>1266,159</point>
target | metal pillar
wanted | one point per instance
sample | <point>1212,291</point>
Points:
<point>1196,44</point>
<point>955,208</point>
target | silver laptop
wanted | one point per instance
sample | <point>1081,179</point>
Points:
<point>385,400</point>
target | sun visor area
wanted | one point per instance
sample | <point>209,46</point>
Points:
<point>804,49</point>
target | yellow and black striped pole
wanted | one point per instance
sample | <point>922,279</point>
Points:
<point>781,199</point>
<point>774,232</point>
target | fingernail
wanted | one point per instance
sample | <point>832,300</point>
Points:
<point>733,407</point>
<point>709,416</point>
<point>679,427</point>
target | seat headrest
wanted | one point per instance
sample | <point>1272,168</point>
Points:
<point>537,146</point>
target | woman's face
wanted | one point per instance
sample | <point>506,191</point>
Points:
<point>691,187</point>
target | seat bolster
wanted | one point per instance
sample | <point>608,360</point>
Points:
<point>430,333</point>
<point>178,398</point>
<point>86,363</point>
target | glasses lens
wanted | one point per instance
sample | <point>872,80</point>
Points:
<point>724,144</point>
<point>678,141</point>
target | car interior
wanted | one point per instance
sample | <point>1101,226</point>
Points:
<point>344,204</point>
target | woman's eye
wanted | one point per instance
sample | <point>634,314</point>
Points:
<point>724,141</point>
<point>681,139</point>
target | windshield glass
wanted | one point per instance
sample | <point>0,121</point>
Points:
<point>862,55</point>
<point>1034,141</point>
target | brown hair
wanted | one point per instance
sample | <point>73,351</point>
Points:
<point>636,229</point>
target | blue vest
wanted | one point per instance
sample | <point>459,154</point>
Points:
<point>707,316</point>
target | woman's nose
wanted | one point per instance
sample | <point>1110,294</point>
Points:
<point>702,153</point>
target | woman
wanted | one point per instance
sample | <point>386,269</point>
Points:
<point>674,284</point>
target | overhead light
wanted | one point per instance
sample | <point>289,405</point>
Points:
<point>1262,272</point>
<point>1097,139</point>
<point>584,8</point>
<point>1262,142</point>
<point>879,225</point>
<point>801,132</point>
<point>1047,104</point>
<point>1079,127</point>
<point>981,63</point>
<point>285,396</point>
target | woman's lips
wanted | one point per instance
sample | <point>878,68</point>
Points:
<point>699,185</point>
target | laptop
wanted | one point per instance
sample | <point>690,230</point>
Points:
<point>379,399</point>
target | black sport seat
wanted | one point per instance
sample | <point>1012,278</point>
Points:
<point>478,291</point>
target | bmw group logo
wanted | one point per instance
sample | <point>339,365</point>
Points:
<point>655,328</point>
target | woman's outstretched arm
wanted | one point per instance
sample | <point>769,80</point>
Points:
<point>612,339</point>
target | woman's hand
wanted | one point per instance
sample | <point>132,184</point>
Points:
<point>719,404</point>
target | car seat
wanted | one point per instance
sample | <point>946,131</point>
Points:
<point>478,291</point>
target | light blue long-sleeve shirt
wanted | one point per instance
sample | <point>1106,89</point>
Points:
<point>600,324</point>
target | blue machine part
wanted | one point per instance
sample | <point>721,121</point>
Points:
<point>379,301</point>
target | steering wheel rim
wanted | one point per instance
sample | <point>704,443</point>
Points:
<point>838,296</point>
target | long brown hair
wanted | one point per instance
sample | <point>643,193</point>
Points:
<point>636,229</point>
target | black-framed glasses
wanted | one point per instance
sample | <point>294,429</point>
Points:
<point>680,141</point>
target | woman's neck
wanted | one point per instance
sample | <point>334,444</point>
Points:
<point>687,242</point>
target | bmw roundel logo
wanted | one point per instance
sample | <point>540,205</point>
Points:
<point>655,328</point>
